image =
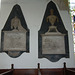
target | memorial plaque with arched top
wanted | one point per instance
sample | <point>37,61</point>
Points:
<point>15,34</point>
<point>52,36</point>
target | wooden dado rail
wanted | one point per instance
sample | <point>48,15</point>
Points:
<point>38,71</point>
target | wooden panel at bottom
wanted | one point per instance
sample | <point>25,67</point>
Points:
<point>58,71</point>
<point>25,72</point>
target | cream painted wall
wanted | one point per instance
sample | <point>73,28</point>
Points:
<point>33,11</point>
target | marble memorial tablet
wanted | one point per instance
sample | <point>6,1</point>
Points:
<point>14,41</point>
<point>15,34</point>
<point>53,44</point>
<point>52,37</point>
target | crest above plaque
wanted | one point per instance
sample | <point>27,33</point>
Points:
<point>15,34</point>
<point>52,36</point>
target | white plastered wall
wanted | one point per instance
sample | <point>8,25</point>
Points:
<point>33,11</point>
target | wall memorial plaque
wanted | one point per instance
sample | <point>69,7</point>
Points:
<point>53,44</point>
<point>52,36</point>
<point>15,34</point>
<point>14,41</point>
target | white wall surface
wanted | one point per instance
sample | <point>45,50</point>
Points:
<point>33,11</point>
